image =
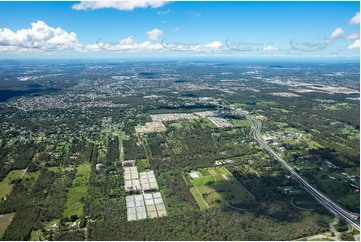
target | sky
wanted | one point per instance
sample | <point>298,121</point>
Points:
<point>147,29</point>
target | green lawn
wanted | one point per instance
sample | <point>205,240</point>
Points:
<point>142,165</point>
<point>5,184</point>
<point>217,189</point>
<point>204,172</point>
<point>5,220</point>
<point>124,136</point>
<point>206,180</point>
<point>241,122</point>
<point>79,190</point>
<point>283,110</point>
<point>177,125</point>
<point>34,234</point>
<point>56,169</point>
<point>201,203</point>
<point>222,170</point>
<point>206,123</point>
<point>338,190</point>
<point>230,190</point>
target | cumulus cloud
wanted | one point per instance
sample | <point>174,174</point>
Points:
<point>214,45</point>
<point>353,36</point>
<point>154,34</point>
<point>270,48</point>
<point>39,36</point>
<point>354,45</point>
<point>355,19</point>
<point>337,33</point>
<point>127,44</point>
<point>120,5</point>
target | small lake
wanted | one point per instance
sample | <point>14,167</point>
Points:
<point>251,104</point>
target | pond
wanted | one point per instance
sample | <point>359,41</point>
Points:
<point>251,104</point>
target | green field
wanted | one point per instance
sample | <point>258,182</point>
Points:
<point>29,179</point>
<point>241,122</point>
<point>177,125</point>
<point>208,180</point>
<point>239,105</point>
<point>5,220</point>
<point>267,103</point>
<point>79,189</point>
<point>199,199</point>
<point>6,186</point>
<point>217,187</point>
<point>338,189</point>
<point>142,165</point>
<point>206,123</point>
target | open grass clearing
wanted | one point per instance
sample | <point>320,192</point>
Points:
<point>228,190</point>
<point>208,180</point>
<point>37,235</point>
<point>78,191</point>
<point>199,199</point>
<point>217,187</point>
<point>29,179</point>
<point>241,122</point>
<point>5,184</point>
<point>239,105</point>
<point>142,165</point>
<point>177,125</point>
<point>5,220</point>
<point>206,123</point>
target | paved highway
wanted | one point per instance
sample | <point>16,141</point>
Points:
<point>323,199</point>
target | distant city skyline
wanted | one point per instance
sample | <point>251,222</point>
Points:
<point>160,29</point>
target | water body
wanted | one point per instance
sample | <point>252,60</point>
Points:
<point>251,104</point>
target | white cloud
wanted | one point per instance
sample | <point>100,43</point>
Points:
<point>337,33</point>
<point>354,45</point>
<point>127,44</point>
<point>214,45</point>
<point>353,36</point>
<point>39,36</point>
<point>154,34</point>
<point>163,12</point>
<point>175,29</point>
<point>270,48</point>
<point>120,5</point>
<point>355,19</point>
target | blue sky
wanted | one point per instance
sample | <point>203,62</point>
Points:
<point>148,29</point>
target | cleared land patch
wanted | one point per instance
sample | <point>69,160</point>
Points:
<point>217,187</point>
<point>79,189</point>
<point>5,220</point>
<point>150,127</point>
<point>6,186</point>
